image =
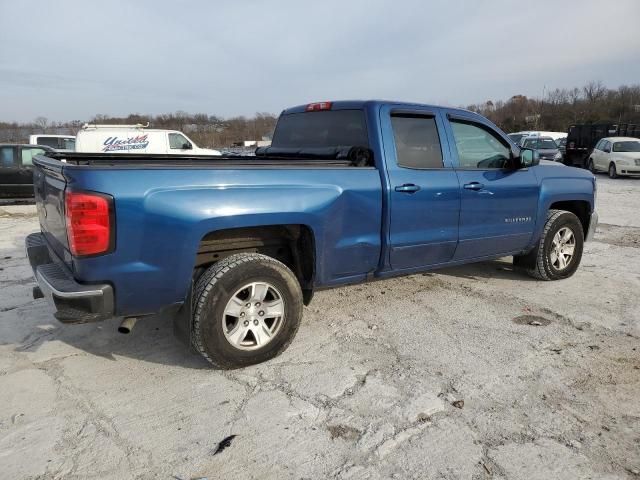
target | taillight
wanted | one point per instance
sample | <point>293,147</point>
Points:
<point>89,228</point>
<point>316,107</point>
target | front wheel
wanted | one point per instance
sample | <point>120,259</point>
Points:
<point>591,167</point>
<point>559,250</point>
<point>248,309</point>
<point>613,173</point>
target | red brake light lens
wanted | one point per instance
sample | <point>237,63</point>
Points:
<point>318,106</point>
<point>88,218</point>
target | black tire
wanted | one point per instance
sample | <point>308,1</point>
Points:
<point>591,167</point>
<point>613,173</point>
<point>218,284</point>
<point>538,263</point>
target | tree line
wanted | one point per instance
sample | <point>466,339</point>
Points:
<point>561,107</point>
<point>205,130</point>
<point>554,111</point>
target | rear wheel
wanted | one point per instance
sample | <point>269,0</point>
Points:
<point>613,173</point>
<point>248,309</point>
<point>559,250</point>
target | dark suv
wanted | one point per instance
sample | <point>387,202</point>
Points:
<point>16,175</point>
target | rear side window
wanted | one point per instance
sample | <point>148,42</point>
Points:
<point>326,128</point>
<point>417,141</point>
<point>6,157</point>
<point>478,147</point>
<point>48,141</point>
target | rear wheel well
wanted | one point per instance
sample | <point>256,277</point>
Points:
<point>293,245</point>
<point>579,208</point>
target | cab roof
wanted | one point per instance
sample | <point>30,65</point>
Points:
<point>364,104</point>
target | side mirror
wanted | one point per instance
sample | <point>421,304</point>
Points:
<point>187,146</point>
<point>528,157</point>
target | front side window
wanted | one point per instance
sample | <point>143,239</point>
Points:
<point>478,148</point>
<point>69,143</point>
<point>178,141</point>
<point>6,157</point>
<point>606,147</point>
<point>417,141</point>
<point>28,154</point>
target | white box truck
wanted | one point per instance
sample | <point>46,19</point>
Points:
<point>136,139</point>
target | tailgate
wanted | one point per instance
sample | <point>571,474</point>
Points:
<point>49,185</point>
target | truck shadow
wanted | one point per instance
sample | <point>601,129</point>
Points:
<point>152,339</point>
<point>501,269</point>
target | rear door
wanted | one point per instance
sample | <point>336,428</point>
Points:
<point>9,171</point>
<point>424,190</point>
<point>498,203</point>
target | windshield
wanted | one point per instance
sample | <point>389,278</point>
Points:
<point>629,146</point>
<point>515,137</point>
<point>540,143</point>
<point>329,128</point>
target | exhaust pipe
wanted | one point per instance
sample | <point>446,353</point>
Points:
<point>127,325</point>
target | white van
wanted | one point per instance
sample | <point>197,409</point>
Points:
<point>59,142</point>
<point>136,139</point>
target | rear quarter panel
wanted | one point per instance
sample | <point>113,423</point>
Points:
<point>162,214</point>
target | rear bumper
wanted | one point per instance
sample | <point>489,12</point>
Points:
<point>593,224</point>
<point>74,302</point>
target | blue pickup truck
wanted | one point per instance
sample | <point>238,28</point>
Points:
<point>233,247</point>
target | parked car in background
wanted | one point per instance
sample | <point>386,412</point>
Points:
<point>136,139</point>
<point>347,192</point>
<point>59,142</point>
<point>617,156</point>
<point>581,139</point>
<point>562,147</point>
<point>16,168</point>
<point>546,147</point>
<point>518,137</point>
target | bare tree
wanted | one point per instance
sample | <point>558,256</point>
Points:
<point>42,123</point>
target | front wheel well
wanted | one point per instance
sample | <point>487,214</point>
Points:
<point>293,245</point>
<point>579,208</point>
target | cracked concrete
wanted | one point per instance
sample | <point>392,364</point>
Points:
<point>365,390</point>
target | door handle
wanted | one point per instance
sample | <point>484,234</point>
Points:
<point>474,186</point>
<point>408,188</point>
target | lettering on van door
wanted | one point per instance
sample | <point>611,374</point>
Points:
<point>112,144</point>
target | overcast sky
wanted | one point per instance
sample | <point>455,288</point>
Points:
<point>69,60</point>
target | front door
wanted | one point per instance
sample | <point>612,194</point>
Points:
<point>498,203</point>
<point>424,190</point>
